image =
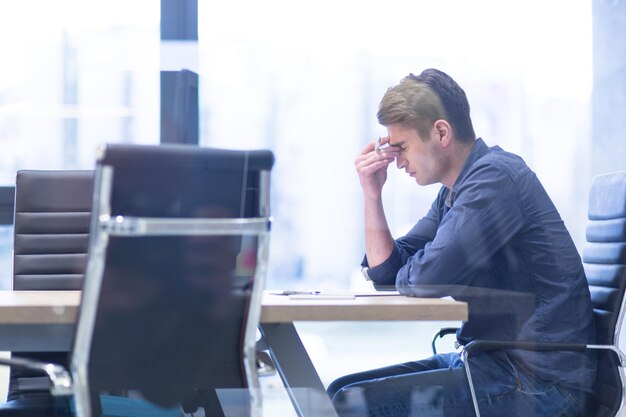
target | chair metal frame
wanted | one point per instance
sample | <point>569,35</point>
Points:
<point>102,227</point>
<point>477,345</point>
<point>480,345</point>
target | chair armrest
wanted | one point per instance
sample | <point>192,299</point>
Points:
<point>482,345</point>
<point>59,376</point>
<point>440,334</point>
<point>475,345</point>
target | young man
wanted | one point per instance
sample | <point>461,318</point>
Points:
<point>492,238</point>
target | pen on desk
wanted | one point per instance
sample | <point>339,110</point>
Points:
<point>291,292</point>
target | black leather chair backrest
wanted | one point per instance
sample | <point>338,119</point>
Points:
<point>51,236</point>
<point>52,210</point>
<point>604,259</point>
<point>172,295</point>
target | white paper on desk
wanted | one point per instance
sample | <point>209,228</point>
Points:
<point>322,296</point>
<point>341,294</point>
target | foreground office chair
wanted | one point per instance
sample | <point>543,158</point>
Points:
<point>604,259</point>
<point>51,230</point>
<point>172,295</point>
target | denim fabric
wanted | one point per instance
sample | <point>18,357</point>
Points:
<point>438,387</point>
<point>496,241</point>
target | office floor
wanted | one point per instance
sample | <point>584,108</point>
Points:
<point>337,349</point>
<point>341,348</point>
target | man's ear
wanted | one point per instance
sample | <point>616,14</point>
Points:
<point>443,132</point>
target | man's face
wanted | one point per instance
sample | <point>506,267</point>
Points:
<point>421,159</point>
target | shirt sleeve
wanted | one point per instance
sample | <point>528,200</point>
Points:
<point>405,247</point>
<point>484,216</point>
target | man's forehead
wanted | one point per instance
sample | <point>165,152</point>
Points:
<point>399,135</point>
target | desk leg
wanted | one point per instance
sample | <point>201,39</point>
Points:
<point>303,384</point>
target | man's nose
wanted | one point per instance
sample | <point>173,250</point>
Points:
<point>400,163</point>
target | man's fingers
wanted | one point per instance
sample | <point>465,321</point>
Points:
<point>372,166</point>
<point>375,156</point>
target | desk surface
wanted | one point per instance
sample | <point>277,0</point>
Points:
<point>59,307</point>
<point>282,309</point>
<point>38,307</point>
<point>44,321</point>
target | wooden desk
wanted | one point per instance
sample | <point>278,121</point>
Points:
<point>37,320</point>
<point>290,357</point>
<point>281,309</point>
<point>60,307</point>
<point>44,321</point>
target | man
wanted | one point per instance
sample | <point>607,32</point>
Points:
<point>492,238</point>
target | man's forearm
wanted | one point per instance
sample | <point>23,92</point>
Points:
<point>378,240</point>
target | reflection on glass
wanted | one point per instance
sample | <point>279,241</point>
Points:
<point>172,312</point>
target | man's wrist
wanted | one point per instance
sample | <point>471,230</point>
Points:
<point>373,198</point>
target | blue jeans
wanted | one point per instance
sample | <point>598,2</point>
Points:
<point>437,387</point>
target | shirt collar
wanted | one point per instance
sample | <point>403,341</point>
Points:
<point>479,149</point>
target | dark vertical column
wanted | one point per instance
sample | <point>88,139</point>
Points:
<point>179,20</point>
<point>179,107</point>
<point>608,133</point>
<point>179,88</point>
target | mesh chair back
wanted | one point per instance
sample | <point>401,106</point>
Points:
<point>604,259</point>
<point>177,255</point>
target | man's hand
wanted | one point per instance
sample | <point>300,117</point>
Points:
<point>371,166</point>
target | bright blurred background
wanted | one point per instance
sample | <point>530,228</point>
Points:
<point>304,79</point>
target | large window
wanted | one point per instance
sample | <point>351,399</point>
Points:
<point>74,74</point>
<point>305,80</point>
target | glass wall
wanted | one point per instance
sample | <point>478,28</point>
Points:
<point>74,74</point>
<point>303,79</point>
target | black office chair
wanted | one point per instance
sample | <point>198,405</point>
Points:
<point>604,259</point>
<point>172,296</point>
<point>51,229</point>
<point>52,210</point>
